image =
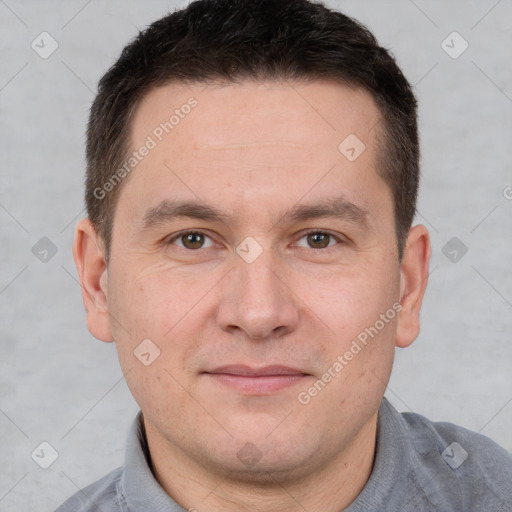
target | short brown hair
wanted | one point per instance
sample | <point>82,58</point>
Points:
<point>231,40</point>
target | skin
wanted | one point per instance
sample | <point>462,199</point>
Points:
<point>254,151</point>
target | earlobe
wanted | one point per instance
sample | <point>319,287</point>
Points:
<point>413,283</point>
<point>92,271</point>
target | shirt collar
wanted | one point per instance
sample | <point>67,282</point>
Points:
<point>140,489</point>
<point>391,464</point>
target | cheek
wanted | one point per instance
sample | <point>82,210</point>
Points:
<point>148,304</point>
<point>130,301</point>
<point>163,307</point>
<point>360,309</point>
<point>142,309</point>
<point>352,302</point>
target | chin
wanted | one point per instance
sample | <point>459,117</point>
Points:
<point>267,460</point>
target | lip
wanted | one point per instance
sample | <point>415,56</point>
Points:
<point>256,381</point>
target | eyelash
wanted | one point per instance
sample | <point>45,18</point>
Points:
<point>309,232</point>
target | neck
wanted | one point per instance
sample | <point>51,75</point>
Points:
<point>331,487</point>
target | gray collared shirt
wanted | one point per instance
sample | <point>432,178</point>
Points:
<point>419,466</point>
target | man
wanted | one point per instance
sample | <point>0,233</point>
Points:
<point>251,185</point>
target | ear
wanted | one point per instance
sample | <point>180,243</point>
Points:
<point>92,271</point>
<point>413,283</point>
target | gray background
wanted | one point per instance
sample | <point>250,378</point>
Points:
<point>58,384</point>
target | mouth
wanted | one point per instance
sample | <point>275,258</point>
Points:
<point>256,381</point>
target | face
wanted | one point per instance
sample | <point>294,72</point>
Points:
<point>256,250</point>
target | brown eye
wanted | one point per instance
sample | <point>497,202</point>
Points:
<point>318,240</point>
<point>192,240</point>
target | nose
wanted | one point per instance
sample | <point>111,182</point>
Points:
<point>257,300</point>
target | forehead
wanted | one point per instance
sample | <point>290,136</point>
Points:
<point>233,109</point>
<point>242,142</point>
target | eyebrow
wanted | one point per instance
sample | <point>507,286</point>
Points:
<point>337,207</point>
<point>169,210</point>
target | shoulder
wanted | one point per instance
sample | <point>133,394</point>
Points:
<point>472,466</point>
<point>101,495</point>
